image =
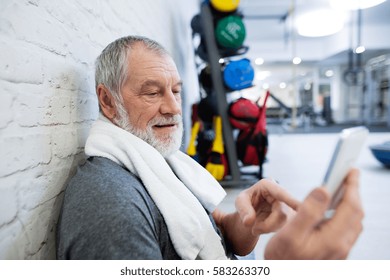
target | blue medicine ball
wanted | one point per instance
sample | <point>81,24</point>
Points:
<point>238,74</point>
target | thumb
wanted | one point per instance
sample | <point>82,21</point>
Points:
<point>311,212</point>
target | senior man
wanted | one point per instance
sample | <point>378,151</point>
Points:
<point>139,197</point>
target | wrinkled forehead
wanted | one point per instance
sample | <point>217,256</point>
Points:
<point>144,63</point>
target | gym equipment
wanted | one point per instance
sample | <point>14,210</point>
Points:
<point>217,163</point>
<point>207,108</point>
<point>191,149</point>
<point>196,127</point>
<point>230,36</point>
<point>211,52</point>
<point>223,52</point>
<point>376,107</point>
<point>238,74</point>
<point>225,5</point>
<point>204,143</point>
<point>382,153</point>
<point>252,143</point>
<point>205,79</point>
<point>243,113</point>
<point>202,137</point>
<point>196,24</point>
<point>230,32</point>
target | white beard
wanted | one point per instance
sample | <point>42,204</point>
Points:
<point>166,145</point>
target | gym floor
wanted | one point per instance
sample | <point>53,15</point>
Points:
<point>298,162</point>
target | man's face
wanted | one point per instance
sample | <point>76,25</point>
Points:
<point>152,100</point>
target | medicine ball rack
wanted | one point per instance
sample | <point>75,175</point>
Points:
<point>235,178</point>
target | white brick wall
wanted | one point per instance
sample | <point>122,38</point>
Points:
<point>47,53</point>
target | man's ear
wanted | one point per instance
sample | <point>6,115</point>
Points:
<point>106,102</point>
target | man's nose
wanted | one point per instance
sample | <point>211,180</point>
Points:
<point>171,103</point>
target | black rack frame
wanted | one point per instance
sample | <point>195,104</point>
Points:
<point>235,178</point>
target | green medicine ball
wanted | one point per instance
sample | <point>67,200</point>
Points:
<point>230,32</point>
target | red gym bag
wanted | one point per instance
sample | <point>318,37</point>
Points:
<point>252,142</point>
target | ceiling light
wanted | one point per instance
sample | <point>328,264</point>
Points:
<point>307,86</point>
<point>354,4</point>
<point>360,49</point>
<point>297,60</point>
<point>282,85</point>
<point>329,73</point>
<point>259,61</point>
<point>320,23</point>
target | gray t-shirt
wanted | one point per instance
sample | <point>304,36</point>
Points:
<point>108,214</point>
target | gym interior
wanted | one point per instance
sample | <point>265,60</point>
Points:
<point>266,94</point>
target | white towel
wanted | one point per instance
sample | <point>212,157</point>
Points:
<point>180,187</point>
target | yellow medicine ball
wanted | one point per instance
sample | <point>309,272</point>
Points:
<point>225,5</point>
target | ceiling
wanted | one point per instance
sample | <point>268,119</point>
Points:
<point>271,35</point>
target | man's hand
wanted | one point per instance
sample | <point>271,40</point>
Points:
<point>265,207</point>
<point>262,208</point>
<point>309,236</point>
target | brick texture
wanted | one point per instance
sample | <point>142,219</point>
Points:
<point>48,103</point>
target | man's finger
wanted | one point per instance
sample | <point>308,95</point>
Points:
<point>347,220</point>
<point>350,202</point>
<point>269,191</point>
<point>278,193</point>
<point>245,208</point>
<point>310,213</point>
<point>274,221</point>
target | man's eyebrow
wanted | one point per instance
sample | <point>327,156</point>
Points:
<point>148,83</point>
<point>179,83</point>
<point>156,83</point>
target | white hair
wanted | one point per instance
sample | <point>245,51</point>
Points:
<point>111,65</point>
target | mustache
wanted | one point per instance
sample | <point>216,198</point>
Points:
<point>175,119</point>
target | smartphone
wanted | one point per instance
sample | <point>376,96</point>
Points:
<point>349,145</point>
